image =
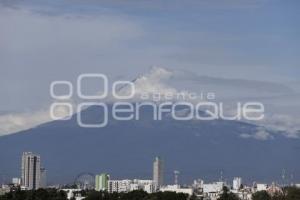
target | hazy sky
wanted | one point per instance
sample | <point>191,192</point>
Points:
<point>42,41</point>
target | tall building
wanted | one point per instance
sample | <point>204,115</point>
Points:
<point>101,182</point>
<point>158,171</point>
<point>43,179</point>
<point>31,171</point>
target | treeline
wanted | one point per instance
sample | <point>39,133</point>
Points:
<point>53,194</point>
<point>289,193</point>
<point>40,194</point>
<point>135,195</point>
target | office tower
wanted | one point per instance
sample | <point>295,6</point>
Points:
<point>237,183</point>
<point>101,182</point>
<point>43,179</point>
<point>31,171</point>
<point>158,171</point>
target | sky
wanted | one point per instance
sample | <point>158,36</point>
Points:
<point>254,44</point>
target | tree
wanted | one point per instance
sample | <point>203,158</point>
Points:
<point>135,195</point>
<point>193,197</point>
<point>278,196</point>
<point>226,195</point>
<point>261,195</point>
<point>93,195</point>
<point>40,194</point>
<point>293,193</point>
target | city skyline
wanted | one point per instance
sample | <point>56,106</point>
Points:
<point>33,175</point>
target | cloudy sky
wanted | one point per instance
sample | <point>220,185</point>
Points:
<point>245,49</point>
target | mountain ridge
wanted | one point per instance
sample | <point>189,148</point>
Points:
<point>199,149</point>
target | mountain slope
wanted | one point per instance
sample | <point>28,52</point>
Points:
<point>199,149</point>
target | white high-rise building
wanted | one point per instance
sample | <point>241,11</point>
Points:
<point>158,171</point>
<point>31,171</point>
<point>237,183</point>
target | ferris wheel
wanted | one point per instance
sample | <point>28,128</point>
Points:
<point>85,181</point>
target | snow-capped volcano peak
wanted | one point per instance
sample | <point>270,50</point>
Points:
<point>156,81</point>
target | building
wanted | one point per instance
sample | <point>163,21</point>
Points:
<point>119,186</point>
<point>243,195</point>
<point>43,180</point>
<point>4,189</point>
<point>71,193</point>
<point>31,171</point>
<point>237,183</point>
<point>213,190</point>
<point>215,187</point>
<point>101,182</point>
<point>16,181</point>
<point>158,171</point>
<point>198,184</point>
<point>261,187</point>
<point>148,186</point>
<point>177,189</point>
<point>198,187</point>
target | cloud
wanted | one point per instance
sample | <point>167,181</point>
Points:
<point>27,31</point>
<point>154,82</point>
<point>59,40</point>
<point>159,80</point>
<point>38,48</point>
<point>278,121</point>
<point>62,39</point>
<point>287,125</point>
<point>13,123</point>
<point>261,134</point>
<point>164,80</point>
